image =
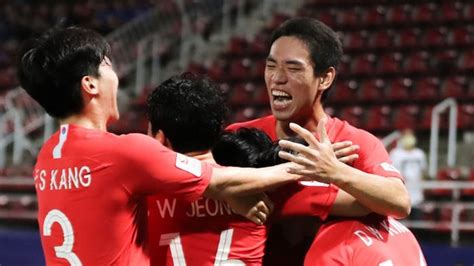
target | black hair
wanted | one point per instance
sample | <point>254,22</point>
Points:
<point>248,148</point>
<point>324,45</point>
<point>50,68</point>
<point>190,110</point>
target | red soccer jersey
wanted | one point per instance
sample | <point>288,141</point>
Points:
<point>289,246</point>
<point>373,241</point>
<point>206,232</point>
<point>90,184</point>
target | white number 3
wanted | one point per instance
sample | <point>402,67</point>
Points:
<point>64,251</point>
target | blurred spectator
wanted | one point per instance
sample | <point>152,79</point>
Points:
<point>411,162</point>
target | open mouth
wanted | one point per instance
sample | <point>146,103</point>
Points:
<point>280,98</point>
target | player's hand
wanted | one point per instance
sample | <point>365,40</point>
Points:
<point>256,208</point>
<point>345,151</point>
<point>317,161</point>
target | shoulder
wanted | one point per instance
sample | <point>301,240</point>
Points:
<point>358,136</point>
<point>256,123</point>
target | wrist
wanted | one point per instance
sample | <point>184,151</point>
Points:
<point>341,175</point>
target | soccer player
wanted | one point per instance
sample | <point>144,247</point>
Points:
<point>187,114</point>
<point>90,183</point>
<point>300,69</point>
<point>373,240</point>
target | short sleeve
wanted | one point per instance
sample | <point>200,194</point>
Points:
<point>373,157</point>
<point>150,168</point>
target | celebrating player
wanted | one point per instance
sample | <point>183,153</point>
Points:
<point>90,183</point>
<point>300,69</point>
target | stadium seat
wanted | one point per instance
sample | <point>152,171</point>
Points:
<point>355,40</point>
<point>400,89</point>
<point>398,14</point>
<point>241,94</point>
<point>407,116</point>
<point>353,114</point>
<point>416,62</point>
<point>466,61</point>
<point>424,12</point>
<point>469,192</point>
<point>389,63</point>
<point>427,89</point>
<point>379,118</point>
<point>381,39</point>
<point>460,36</point>
<point>363,64</point>
<point>240,69</point>
<point>345,91</point>
<point>348,17</point>
<point>408,38</point>
<point>444,174</point>
<point>374,15</point>
<point>237,46</point>
<point>454,86</point>
<point>372,90</point>
<point>450,11</point>
<point>434,37</point>
<point>466,116</point>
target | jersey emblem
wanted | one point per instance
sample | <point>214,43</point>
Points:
<point>188,164</point>
<point>389,167</point>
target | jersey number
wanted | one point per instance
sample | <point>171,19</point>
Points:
<point>65,250</point>
<point>222,255</point>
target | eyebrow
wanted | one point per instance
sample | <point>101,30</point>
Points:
<point>288,62</point>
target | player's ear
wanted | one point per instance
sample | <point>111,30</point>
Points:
<point>327,78</point>
<point>90,85</point>
<point>161,137</point>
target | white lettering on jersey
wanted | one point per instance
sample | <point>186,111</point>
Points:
<point>374,232</point>
<point>188,164</point>
<point>69,178</point>
<point>313,184</point>
<point>389,167</point>
<point>166,207</point>
<point>364,237</point>
<point>208,207</point>
<point>57,151</point>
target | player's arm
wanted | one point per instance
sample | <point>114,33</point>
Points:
<point>234,181</point>
<point>381,194</point>
<point>347,206</point>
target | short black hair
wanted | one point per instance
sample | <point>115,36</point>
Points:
<point>241,148</point>
<point>324,45</point>
<point>50,68</point>
<point>248,147</point>
<point>190,110</point>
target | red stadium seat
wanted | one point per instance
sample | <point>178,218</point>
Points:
<point>407,116</point>
<point>454,86</point>
<point>379,118</point>
<point>445,174</point>
<point>355,40</point>
<point>435,37</point>
<point>398,14</point>
<point>372,90</point>
<point>400,89</point>
<point>363,64</point>
<point>466,61</point>
<point>416,62</point>
<point>381,39</point>
<point>375,15</point>
<point>408,38</point>
<point>345,91</point>
<point>241,94</point>
<point>424,12</point>
<point>240,69</point>
<point>427,89</point>
<point>348,17</point>
<point>353,114</point>
<point>450,11</point>
<point>466,116</point>
<point>237,46</point>
<point>389,63</point>
<point>460,36</point>
<point>469,192</point>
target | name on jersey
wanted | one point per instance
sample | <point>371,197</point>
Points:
<point>390,226</point>
<point>63,179</point>
<point>203,207</point>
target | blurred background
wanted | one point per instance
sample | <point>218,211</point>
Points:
<point>406,76</point>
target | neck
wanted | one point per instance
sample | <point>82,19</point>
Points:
<point>91,122</point>
<point>310,122</point>
<point>205,156</point>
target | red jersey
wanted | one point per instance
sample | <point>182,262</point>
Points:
<point>289,240</point>
<point>89,185</point>
<point>373,241</point>
<point>207,232</point>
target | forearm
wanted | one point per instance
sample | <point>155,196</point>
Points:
<point>234,181</point>
<point>386,196</point>
<point>346,205</point>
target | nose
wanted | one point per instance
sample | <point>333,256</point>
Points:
<point>279,76</point>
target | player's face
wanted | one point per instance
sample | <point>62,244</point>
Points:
<point>108,81</point>
<point>290,80</point>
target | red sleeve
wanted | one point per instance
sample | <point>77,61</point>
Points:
<point>304,199</point>
<point>152,168</point>
<point>373,157</point>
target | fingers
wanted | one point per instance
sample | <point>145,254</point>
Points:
<point>295,158</point>
<point>304,133</point>
<point>346,151</point>
<point>295,147</point>
<point>341,145</point>
<point>349,159</point>
<point>268,203</point>
<point>259,213</point>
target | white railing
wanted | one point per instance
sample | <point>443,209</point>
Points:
<point>434,140</point>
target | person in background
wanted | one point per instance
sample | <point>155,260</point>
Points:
<point>411,162</point>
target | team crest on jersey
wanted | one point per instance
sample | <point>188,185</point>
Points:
<point>389,167</point>
<point>188,164</point>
